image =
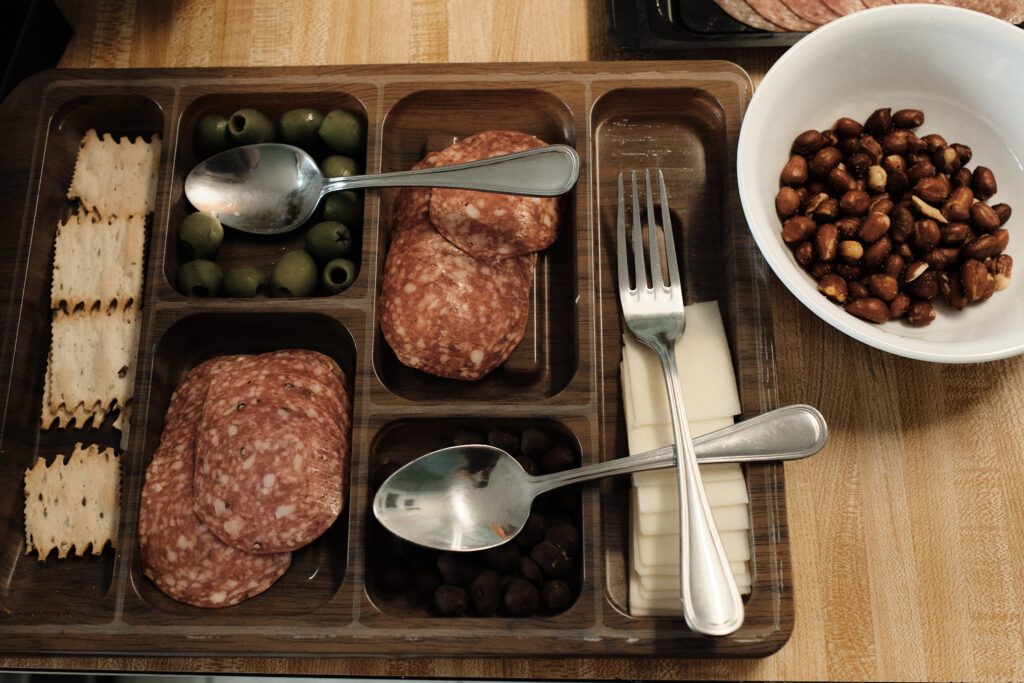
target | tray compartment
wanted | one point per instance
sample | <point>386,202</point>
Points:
<point>546,360</point>
<point>317,570</point>
<point>403,441</point>
<point>84,583</point>
<point>685,132</point>
<point>239,248</point>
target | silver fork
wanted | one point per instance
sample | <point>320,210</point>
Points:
<point>655,315</point>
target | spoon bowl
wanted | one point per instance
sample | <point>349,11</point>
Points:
<point>474,497</point>
<point>272,188</point>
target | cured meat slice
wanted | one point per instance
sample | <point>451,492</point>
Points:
<point>443,311</point>
<point>878,3</point>
<point>178,552</point>
<point>488,225</point>
<point>844,7</point>
<point>780,15</point>
<point>1010,10</point>
<point>271,456</point>
<point>814,11</point>
<point>742,12</point>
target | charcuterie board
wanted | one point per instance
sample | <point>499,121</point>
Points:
<point>563,377</point>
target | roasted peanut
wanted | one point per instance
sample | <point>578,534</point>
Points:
<point>962,178</point>
<point>932,142</point>
<point>797,229</point>
<point>873,227</point>
<point>870,309</point>
<point>981,247</point>
<point>958,206</point>
<point>841,180</point>
<point>1001,269</point>
<point>984,217</point>
<point>893,265</point>
<point>908,118</point>
<point>924,287</point>
<point>857,290</point>
<point>946,160</point>
<point>846,127</point>
<point>848,226</point>
<point>954,234</point>
<point>983,182</point>
<point>877,177</point>
<point>920,313</point>
<point>914,270</point>
<point>879,123</point>
<point>963,151</point>
<point>952,291</point>
<point>926,234</point>
<point>941,258</point>
<point>820,269</point>
<point>787,202</point>
<point>881,204</point>
<point>922,169</point>
<point>871,147</point>
<point>896,183</point>
<point>1002,238</point>
<point>795,171</point>
<point>858,164</point>
<point>1003,211</point>
<point>885,287</point>
<point>854,203</point>
<point>827,211</point>
<point>875,254</point>
<point>804,254</point>
<point>826,241</point>
<point>808,142</point>
<point>834,287</point>
<point>927,210</point>
<point>974,279</point>
<point>824,160</point>
<point>934,189</point>
<point>850,251</point>
<point>848,271</point>
<point>899,305</point>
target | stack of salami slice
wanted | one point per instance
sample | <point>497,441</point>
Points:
<point>456,285</point>
<point>807,15</point>
<point>252,464</point>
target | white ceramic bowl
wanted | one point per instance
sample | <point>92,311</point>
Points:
<point>965,71</point>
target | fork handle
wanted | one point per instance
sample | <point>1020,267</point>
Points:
<point>711,601</point>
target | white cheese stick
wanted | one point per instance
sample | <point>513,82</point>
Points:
<point>727,518</point>
<point>666,498</point>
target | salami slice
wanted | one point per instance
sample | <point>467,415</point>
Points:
<point>814,11</point>
<point>271,456</point>
<point>178,552</point>
<point>442,310</point>
<point>844,7</point>
<point>1010,10</point>
<point>488,225</point>
<point>742,12</point>
<point>780,15</point>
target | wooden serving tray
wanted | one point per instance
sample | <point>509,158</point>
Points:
<point>682,117</point>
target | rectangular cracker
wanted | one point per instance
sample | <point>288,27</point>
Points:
<point>92,361</point>
<point>116,177</point>
<point>98,261</point>
<point>73,503</point>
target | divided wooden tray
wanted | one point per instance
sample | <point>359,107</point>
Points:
<point>682,117</point>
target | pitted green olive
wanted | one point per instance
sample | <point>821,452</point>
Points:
<point>299,127</point>
<point>200,278</point>
<point>343,132</point>
<point>244,282</point>
<point>250,126</point>
<point>338,275</point>
<point>200,235</point>
<point>212,133</point>
<point>328,240</point>
<point>295,274</point>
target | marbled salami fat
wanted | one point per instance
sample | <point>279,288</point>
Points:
<point>742,12</point>
<point>780,15</point>
<point>489,225</point>
<point>814,11</point>
<point>271,455</point>
<point>178,552</point>
<point>442,310</point>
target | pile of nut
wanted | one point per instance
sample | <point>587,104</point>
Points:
<point>885,220</point>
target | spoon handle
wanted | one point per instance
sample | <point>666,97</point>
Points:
<point>542,172</point>
<point>788,433</point>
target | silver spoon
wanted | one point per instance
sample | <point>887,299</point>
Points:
<point>476,497</point>
<point>271,188</point>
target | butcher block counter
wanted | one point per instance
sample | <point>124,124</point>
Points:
<point>905,533</point>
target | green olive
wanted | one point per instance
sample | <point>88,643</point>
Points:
<point>343,132</point>
<point>338,275</point>
<point>338,166</point>
<point>249,126</point>
<point>299,127</point>
<point>293,275</point>
<point>244,282</point>
<point>200,235</point>
<point>200,278</point>
<point>212,133</point>
<point>345,207</point>
<point>328,240</point>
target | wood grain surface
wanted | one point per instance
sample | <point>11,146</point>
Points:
<point>906,532</point>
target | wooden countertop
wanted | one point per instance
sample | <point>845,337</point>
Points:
<point>907,531</point>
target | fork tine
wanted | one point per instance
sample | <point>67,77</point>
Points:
<point>670,243</point>
<point>652,236</point>
<point>638,240</point>
<point>620,240</point>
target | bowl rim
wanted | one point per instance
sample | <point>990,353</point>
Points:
<point>787,270</point>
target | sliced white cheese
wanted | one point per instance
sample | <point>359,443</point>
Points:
<point>660,582</point>
<point>705,371</point>
<point>724,471</point>
<point>666,498</point>
<point>727,518</point>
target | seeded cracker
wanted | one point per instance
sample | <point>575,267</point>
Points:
<point>73,504</point>
<point>98,261</point>
<point>116,177</point>
<point>91,366</point>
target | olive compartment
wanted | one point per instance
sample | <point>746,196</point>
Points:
<point>563,376</point>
